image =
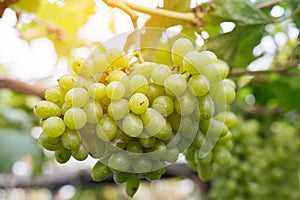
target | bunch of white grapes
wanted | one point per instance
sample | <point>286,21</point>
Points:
<point>137,117</point>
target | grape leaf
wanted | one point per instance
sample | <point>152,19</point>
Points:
<point>239,11</point>
<point>27,5</point>
<point>14,145</point>
<point>236,47</point>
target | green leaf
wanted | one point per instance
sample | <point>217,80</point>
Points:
<point>239,11</point>
<point>14,145</point>
<point>27,5</point>
<point>236,47</point>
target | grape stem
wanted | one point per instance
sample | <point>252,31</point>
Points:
<point>21,87</point>
<point>279,68</point>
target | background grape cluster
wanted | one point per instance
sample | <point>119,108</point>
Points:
<point>137,117</point>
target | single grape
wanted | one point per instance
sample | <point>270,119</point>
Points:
<point>121,177</point>
<point>138,103</point>
<point>158,150</point>
<point>55,94</point>
<point>222,92</point>
<point>118,109</point>
<point>106,129</point>
<point>147,142</point>
<point>46,109</point>
<point>81,153</point>
<point>71,139</point>
<point>138,84</point>
<point>198,85</point>
<point>132,125</point>
<point>153,121</point>
<point>132,185</point>
<point>93,111</point>
<point>206,107</point>
<point>76,97</point>
<point>142,164</point>
<point>62,155</point>
<point>229,118</point>
<point>97,90</point>
<point>115,90</point>
<point>160,73</point>
<point>117,58</point>
<point>185,104</point>
<point>120,76</point>
<point>206,160</point>
<point>100,171</point>
<point>205,172</point>
<point>165,133</point>
<point>194,62</point>
<point>221,155</point>
<point>144,69</point>
<point>179,49</point>
<point>54,126</point>
<point>75,118</point>
<point>122,139</point>
<point>175,85</point>
<point>50,143</point>
<point>174,120</point>
<point>67,82</point>
<point>119,161</point>
<point>76,64</point>
<point>134,147</point>
<point>164,105</point>
<point>155,91</point>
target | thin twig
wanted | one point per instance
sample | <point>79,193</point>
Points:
<point>21,87</point>
<point>121,5</point>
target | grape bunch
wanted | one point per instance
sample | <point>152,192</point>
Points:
<point>135,117</point>
<point>264,165</point>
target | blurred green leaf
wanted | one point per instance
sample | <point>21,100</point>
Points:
<point>14,117</point>
<point>14,145</point>
<point>236,47</point>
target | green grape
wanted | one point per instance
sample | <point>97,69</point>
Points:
<point>46,109</point>
<point>54,126</point>
<point>172,154</point>
<point>75,118</point>
<point>147,142</point>
<point>221,155</point>
<point>155,91</point>
<point>222,92</point>
<point>185,104</point>
<point>226,138</point>
<point>100,171</point>
<point>174,120</point>
<point>132,185</point>
<point>117,58</point>
<point>206,160</point>
<point>153,121</point>
<point>198,85</point>
<point>55,94</point>
<point>122,140</point>
<point>160,73</point>
<point>164,105</point>
<point>70,139</point>
<point>158,150</point>
<point>144,69</point>
<point>50,143</point>
<point>76,97</point>
<point>165,133</point>
<point>211,72</point>
<point>99,63</point>
<point>206,108</point>
<point>118,109</point>
<point>138,84</point>
<point>229,118</point>
<point>62,155</point>
<point>106,129</point>
<point>121,177</point>
<point>198,140</point>
<point>97,90</point>
<point>81,153</point>
<point>175,85</point>
<point>118,75</point>
<point>115,90</point>
<point>205,172</point>
<point>138,103</point>
<point>134,147</point>
<point>179,48</point>
<point>132,125</point>
<point>155,175</point>
<point>119,161</point>
<point>67,82</point>
<point>76,64</point>
<point>93,111</point>
<point>64,108</point>
<point>142,164</point>
<point>194,62</point>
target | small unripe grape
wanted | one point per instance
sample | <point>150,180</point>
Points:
<point>93,111</point>
<point>97,90</point>
<point>138,103</point>
<point>70,139</point>
<point>198,85</point>
<point>54,126</point>
<point>46,109</point>
<point>138,84</point>
<point>164,105</point>
<point>118,109</point>
<point>115,90</point>
<point>179,48</point>
<point>106,129</point>
<point>154,91</point>
<point>75,118</point>
<point>132,125</point>
<point>175,85</point>
<point>62,155</point>
<point>67,82</point>
<point>121,177</point>
<point>55,94</point>
<point>153,121</point>
<point>81,153</point>
<point>185,104</point>
<point>50,143</point>
<point>100,171</point>
<point>132,185</point>
<point>76,97</point>
<point>160,73</point>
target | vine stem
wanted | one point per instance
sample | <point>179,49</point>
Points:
<point>280,68</point>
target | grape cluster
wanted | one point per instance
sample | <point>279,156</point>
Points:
<point>264,165</point>
<point>136,117</point>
